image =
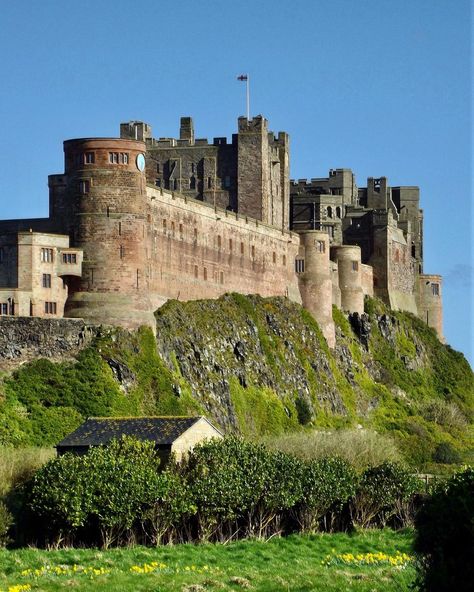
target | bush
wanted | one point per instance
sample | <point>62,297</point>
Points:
<point>327,485</point>
<point>445,536</point>
<point>385,495</point>
<point>446,454</point>
<point>107,488</point>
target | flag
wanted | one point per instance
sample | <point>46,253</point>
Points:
<point>242,77</point>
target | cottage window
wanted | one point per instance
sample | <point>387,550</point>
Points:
<point>46,280</point>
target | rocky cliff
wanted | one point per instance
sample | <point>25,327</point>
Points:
<point>256,366</point>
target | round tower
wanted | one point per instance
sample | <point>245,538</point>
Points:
<point>430,303</point>
<point>348,259</point>
<point>316,283</point>
<point>104,210</point>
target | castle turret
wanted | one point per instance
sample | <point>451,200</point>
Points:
<point>430,303</point>
<point>104,209</point>
<point>314,275</point>
<point>348,262</point>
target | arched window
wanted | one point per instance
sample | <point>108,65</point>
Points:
<point>338,212</point>
<point>329,212</point>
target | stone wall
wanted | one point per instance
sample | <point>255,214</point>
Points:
<point>196,251</point>
<point>27,338</point>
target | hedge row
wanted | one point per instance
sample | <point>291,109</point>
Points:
<point>225,489</point>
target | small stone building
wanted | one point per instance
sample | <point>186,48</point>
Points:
<point>176,435</point>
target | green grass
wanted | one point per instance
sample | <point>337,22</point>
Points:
<point>294,563</point>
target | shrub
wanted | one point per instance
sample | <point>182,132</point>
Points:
<point>109,488</point>
<point>446,454</point>
<point>385,494</point>
<point>445,536</point>
<point>226,478</point>
<point>327,485</point>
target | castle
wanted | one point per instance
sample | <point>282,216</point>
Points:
<point>135,221</point>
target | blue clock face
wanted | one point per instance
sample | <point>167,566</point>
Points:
<point>141,162</point>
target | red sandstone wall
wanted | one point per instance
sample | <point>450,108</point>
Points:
<point>196,251</point>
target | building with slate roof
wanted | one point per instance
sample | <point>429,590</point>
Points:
<point>176,435</point>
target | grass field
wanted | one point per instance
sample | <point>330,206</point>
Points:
<point>364,561</point>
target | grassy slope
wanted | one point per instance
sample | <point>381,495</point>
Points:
<point>293,563</point>
<point>410,384</point>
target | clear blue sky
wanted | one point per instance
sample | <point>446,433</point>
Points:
<point>379,86</point>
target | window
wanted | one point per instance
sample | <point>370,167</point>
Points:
<point>241,248</point>
<point>338,212</point>
<point>164,225</point>
<point>172,227</point>
<point>320,246</point>
<point>329,212</point>
<point>435,289</point>
<point>219,241</point>
<point>230,245</point>
<point>122,251</point>
<point>195,234</point>
<point>209,182</point>
<point>3,308</point>
<point>46,280</point>
<point>2,254</point>
<point>89,158</point>
<point>180,229</point>
<point>221,277</point>
<point>50,307</point>
<point>253,252</point>
<point>175,184</point>
<point>274,257</point>
<point>47,255</point>
<point>158,182</point>
<point>205,273</point>
<point>299,265</point>
<point>355,266</point>
<point>192,183</point>
<point>85,186</point>
<point>227,181</point>
<point>193,168</point>
<point>329,230</point>
<point>284,260</point>
<point>69,258</point>
<point>118,157</point>
<point>196,271</point>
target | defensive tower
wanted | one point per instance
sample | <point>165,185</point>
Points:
<point>101,203</point>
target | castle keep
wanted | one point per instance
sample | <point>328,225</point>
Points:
<point>135,221</point>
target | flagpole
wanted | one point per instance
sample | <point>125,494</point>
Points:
<point>248,97</point>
